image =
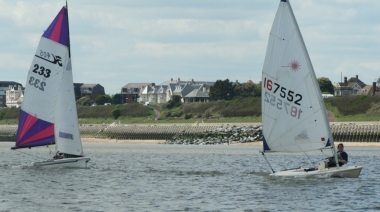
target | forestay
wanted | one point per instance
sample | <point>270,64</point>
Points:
<point>294,116</point>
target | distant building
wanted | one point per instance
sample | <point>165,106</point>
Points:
<point>196,96</point>
<point>156,94</point>
<point>4,86</point>
<point>130,92</point>
<point>14,96</point>
<point>77,92</point>
<point>91,90</point>
<point>348,87</point>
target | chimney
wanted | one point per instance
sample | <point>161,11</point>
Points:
<point>373,88</point>
<point>237,81</point>
<point>345,79</point>
<point>179,79</point>
<point>192,80</point>
<point>171,79</point>
<point>357,77</point>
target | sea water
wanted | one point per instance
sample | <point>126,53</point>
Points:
<point>153,177</point>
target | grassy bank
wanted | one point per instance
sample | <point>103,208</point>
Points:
<point>345,109</point>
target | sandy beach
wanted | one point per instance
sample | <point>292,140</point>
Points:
<point>258,143</point>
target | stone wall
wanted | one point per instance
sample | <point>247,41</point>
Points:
<point>202,133</point>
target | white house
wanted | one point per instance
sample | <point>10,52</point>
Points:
<point>14,96</point>
<point>348,87</point>
<point>156,94</point>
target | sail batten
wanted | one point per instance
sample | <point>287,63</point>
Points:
<point>293,113</point>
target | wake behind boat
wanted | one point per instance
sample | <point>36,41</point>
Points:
<point>48,113</point>
<point>294,116</point>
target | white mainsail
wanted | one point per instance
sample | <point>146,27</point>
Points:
<point>293,113</point>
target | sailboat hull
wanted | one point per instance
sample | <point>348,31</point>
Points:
<point>344,171</point>
<point>66,162</point>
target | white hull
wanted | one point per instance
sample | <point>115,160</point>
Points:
<point>80,162</point>
<point>344,171</point>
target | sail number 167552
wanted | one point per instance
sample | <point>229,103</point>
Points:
<point>290,95</point>
<point>278,102</point>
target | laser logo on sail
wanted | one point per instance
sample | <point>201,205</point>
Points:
<point>294,65</point>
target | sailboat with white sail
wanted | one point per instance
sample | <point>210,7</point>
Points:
<point>294,116</point>
<point>48,112</point>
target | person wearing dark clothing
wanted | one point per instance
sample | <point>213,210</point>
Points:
<point>341,155</point>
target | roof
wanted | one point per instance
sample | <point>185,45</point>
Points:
<point>197,93</point>
<point>89,85</point>
<point>8,83</point>
<point>137,85</point>
<point>343,88</point>
<point>191,82</point>
<point>352,81</point>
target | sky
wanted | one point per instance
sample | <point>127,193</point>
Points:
<point>117,42</point>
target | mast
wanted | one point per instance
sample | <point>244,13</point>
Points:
<point>68,28</point>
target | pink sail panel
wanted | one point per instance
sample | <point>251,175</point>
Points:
<point>33,131</point>
<point>58,30</point>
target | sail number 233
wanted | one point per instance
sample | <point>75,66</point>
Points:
<point>285,94</point>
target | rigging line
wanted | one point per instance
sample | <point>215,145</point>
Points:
<point>309,159</point>
<point>323,152</point>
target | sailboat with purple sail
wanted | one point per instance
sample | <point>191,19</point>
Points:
<point>48,113</point>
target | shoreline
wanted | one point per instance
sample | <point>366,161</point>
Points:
<point>257,143</point>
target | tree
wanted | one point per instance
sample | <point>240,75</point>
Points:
<point>222,90</point>
<point>116,99</point>
<point>84,101</point>
<point>174,100</point>
<point>103,99</point>
<point>248,89</point>
<point>325,85</point>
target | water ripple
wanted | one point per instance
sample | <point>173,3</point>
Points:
<point>124,177</point>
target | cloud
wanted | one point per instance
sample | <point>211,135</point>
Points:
<point>375,66</point>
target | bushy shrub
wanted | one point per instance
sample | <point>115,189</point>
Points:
<point>353,105</point>
<point>243,107</point>
<point>10,113</point>
<point>116,113</point>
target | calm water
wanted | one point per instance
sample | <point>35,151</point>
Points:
<point>127,177</point>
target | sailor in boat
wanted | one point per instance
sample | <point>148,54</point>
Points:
<point>60,155</point>
<point>342,157</point>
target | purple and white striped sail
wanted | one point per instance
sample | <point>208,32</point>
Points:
<point>48,112</point>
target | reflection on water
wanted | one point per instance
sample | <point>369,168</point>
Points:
<point>126,177</point>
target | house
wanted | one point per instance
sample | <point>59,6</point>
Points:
<point>369,90</point>
<point>196,96</point>
<point>348,87</point>
<point>91,90</point>
<point>4,86</point>
<point>130,92</point>
<point>156,94</point>
<point>14,96</point>
<point>77,92</point>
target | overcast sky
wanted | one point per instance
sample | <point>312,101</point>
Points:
<point>117,42</point>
